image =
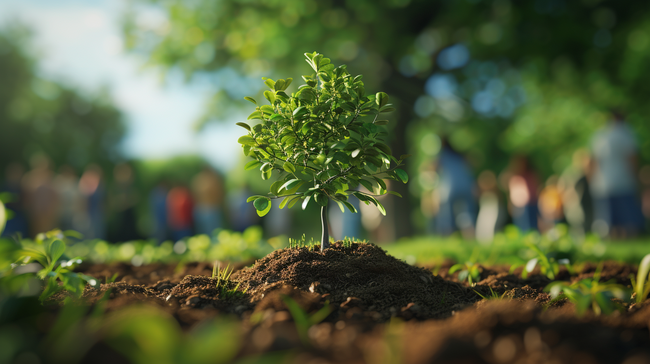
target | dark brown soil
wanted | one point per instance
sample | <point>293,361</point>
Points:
<point>384,310</point>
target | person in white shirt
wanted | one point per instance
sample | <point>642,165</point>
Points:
<point>614,189</point>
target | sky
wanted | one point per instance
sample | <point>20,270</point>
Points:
<point>80,45</point>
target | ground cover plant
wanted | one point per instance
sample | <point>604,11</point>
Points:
<point>324,142</point>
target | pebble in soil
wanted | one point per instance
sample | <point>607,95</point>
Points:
<point>361,279</point>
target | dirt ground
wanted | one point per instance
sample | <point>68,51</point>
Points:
<point>386,311</point>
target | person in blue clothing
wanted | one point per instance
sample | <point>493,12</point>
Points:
<point>456,193</point>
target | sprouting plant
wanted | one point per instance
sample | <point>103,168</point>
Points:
<point>48,251</point>
<point>548,265</point>
<point>301,243</point>
<point>469,271</point>
<point>347,242</point>
<point>224,284</point>
<point>324,141</point>
<point>112,278</point>
<point>641,284</point>
<point>302,319</point>
<point>493,295</point>
<point>590,292</point>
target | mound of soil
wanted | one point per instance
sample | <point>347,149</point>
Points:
<point>439,318</point>
<point>361,277</point>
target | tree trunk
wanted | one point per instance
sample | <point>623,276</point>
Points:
<point>325,235</point>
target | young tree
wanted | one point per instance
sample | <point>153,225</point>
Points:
<point>323,141</point>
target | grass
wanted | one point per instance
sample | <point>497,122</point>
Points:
<point>430,250</point>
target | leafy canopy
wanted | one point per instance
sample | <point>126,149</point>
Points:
<point>323,141</point>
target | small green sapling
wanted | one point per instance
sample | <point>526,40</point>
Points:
<point>323,142</point>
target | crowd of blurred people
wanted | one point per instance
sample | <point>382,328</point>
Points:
<point>105,208</point>
<point>603,191</point>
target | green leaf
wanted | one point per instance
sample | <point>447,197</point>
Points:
<point>250,99</point>
<point>381,122</point>
<point>349,206</point>
<point>269,95</point>
<point>279,85</point>
<point>246,140</point>
<point>381,207</point>
<point>300,111</point>
<point>403,176</point>
<point>244,125</point>
<point>355,153</point>
<point>286,200</point>
<point>366,184</point>
<point>321,199</point>
<point>275,188</point>
<point>305,202</point>
<point>289,167</point>
<point>381,98</point>
<point>341,206</point>
<point>262,206</point>
<point>255,115</point>
<point>395,193</point>
<point>252,165</point>
<point>56,250</point>
<point>290,184</point>
<point>269,82</point>
<point>266,175</point>
<point>293,202</point>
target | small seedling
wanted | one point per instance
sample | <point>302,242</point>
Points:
<point>548,265</point>
<point>48,251</point>
<point>591,293</point>
<point>493,295</point>
<point>302,319</point>
<point>301,243</point>
<point>641,284</point>
<point>224,284</point>
<point>469,271</point>
<point>348,242</point>
<point>324,141</point>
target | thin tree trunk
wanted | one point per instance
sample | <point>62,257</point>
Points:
<point>325,236</point>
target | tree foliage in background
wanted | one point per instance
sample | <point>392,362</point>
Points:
<point>496,77</point>
<point>38,116</point>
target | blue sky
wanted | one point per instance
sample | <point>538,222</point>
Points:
<point>79,43</point>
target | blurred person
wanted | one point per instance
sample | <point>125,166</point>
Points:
<point>123,200</point>
<point>522,189</point>
<point>179,212</point>
<point>491,213</point>
<point>41,198</point>
<point>67,186</point>
<point>614,188</point>
<point>242,214</point>
<point>93,189</point>
<point>456,188</point>
<point>158,207</point>
<point>577,200</point>
<point>207,190</point>
<point>17,224</point>
<point>551,203</point>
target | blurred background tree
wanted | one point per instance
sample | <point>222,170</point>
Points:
<point>42,117</point>
<point>496,78</point>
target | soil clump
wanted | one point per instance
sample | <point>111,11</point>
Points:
<point>362,277</point>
